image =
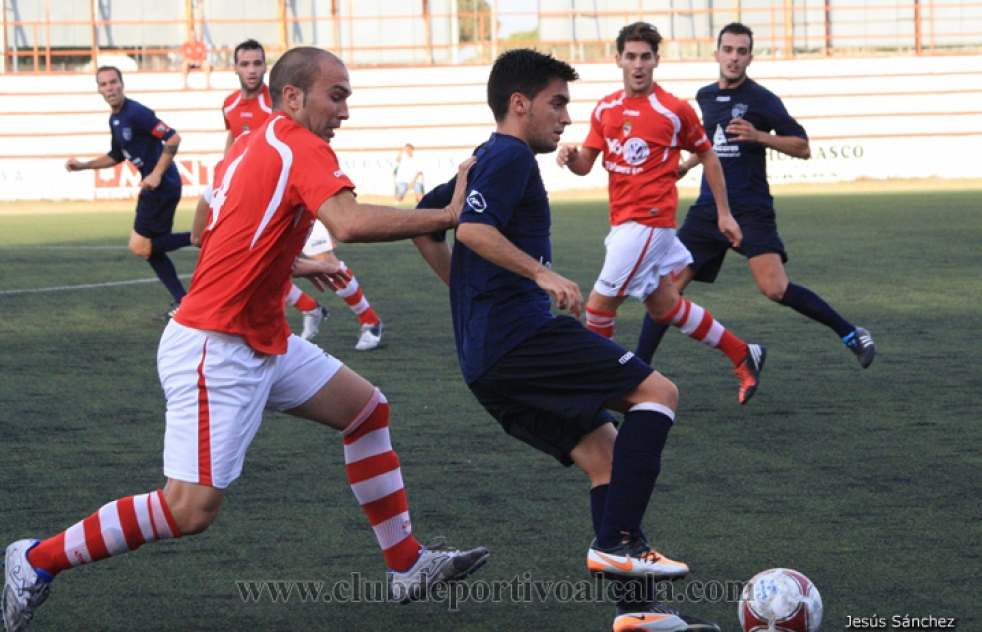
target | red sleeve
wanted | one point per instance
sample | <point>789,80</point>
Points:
<point>595,138</point>
<point>693,137</point>
<point>319,176</point>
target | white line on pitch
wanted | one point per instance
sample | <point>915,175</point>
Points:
<point>87,286</point>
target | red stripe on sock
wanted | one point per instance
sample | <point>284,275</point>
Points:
<point>204,424</point>
<point>167,514</point>
<point>371,467</point>
<point>368,317</point>
<point>734,348</point>
<point>305,303</point>
<point>704,326</point>
<point>380,510</point>
<point>50,555</point>
<point>94,541</point>
<point>403,555</point>
<point>378,419</point>
<point>130,524</point>
<point>670,316</point>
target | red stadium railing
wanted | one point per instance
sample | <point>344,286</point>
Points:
<point>783,30</point>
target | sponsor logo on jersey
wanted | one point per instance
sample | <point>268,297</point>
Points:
<point>739,110</point>
<point>476,201</point>
<point>635,151</point>
<point>127,133</point>
<point>721,146</point>
<point>632,113</point>
<point>246,115</point>
<point>722,99</point>
<point>338,173</point>
<point>624,360</point>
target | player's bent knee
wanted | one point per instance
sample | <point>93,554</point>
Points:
<point>774,293</point>
<point>659,389</point>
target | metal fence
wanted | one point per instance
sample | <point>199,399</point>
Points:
<point>41,36</point>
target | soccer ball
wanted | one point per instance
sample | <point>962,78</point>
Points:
<point>780,600</point>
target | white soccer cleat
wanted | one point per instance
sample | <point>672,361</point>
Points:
<point>371,337</point>
<point>437,564</point>
<point>633,557</point>
<point>23,590</point>
<point>312,322</point>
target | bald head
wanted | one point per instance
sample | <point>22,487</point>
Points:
<point>300,68</point>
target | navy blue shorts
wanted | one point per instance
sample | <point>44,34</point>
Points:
<point>701,235</point>
<point>155,215</point>
<point>551,389</point>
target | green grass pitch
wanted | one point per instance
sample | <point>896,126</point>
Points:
<point>866,481</point>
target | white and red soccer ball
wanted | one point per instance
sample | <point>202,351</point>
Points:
<point>780,600</point>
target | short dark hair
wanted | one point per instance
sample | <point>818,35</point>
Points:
<point>249,44</point>
<point>638,32</point>
<point>525,71</point>
<point>736,28</point>
<point>105,68</point>
<point>298,67</point>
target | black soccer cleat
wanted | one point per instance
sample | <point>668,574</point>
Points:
<point>861,344</point>
<point>169,313</point>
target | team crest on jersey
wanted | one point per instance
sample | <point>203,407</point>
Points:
<point>626,127</point>
<point>476,201</point>
<point>245,129</point>
<point>635,151</point>
<point>127,133</point>
<point>739,110</point>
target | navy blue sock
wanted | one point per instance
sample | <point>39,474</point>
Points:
<point>167,274</point>
<point>637,463</point>
<point>807,303</point>
<point>598,503</point>
<point>171,241</point>
<point>652,332</point>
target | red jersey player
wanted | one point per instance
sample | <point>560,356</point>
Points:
<point>248,108</point>
<point>228,354</point>
<point>641,131</point>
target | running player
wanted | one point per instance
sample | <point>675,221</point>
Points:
<point>548,380</point>
<point>228,352</point>
<point>641,130</point>
<point>741,116</point>
<point>150,145</point>
<point>248,108</point>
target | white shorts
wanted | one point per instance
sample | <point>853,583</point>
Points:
<point>319,240</point>
<point>217,388</point>
<point>637,258</point>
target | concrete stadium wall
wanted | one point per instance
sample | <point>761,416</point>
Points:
<point>877,118</point>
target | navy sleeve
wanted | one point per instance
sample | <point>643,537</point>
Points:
<point>116,152</point>
<point>496,186</point>
<point>782,122</point>
<point>440,197</point>
<point>147,122</point>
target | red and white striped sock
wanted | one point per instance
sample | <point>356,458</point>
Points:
<point>355,298</point>
<point>299,299</point>
<point>600,321</point>
<point>697,323</point>
<point>119,527</point>
<point>376,479</point>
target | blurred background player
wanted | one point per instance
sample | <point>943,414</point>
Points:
<point>640,130</point>
<point>150,145</point>
<point>408,174</point>
<point>247,109</point>
<point>741,115</point>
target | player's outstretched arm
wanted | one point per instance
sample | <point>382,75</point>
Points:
<point>348,221</point>
<point>102,162</point>
<point>488,242</point>
<point>717,184</point>
<point>579,160</point>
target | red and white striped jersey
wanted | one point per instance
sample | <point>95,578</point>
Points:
<point>266,195</point>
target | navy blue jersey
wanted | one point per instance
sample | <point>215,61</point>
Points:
<point>744,163</point>
<point>138,136</point>
<point>494,310</point>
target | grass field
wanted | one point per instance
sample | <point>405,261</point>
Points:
<point>867,481</point>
